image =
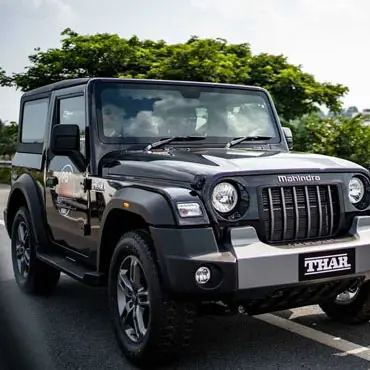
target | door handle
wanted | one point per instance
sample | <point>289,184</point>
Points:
<point>51,181</point>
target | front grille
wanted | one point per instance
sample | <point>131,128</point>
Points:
<point>295,213</point>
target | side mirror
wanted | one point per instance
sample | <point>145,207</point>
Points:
<point>289,137</point>
<point>65,141</point>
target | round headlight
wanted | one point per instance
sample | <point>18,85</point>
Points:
<point>224,197</point>
<point>356,190</point>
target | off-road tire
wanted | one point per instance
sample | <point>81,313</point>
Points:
<point>170,327</point>
<point>42,279</point>
<point>355,312</point>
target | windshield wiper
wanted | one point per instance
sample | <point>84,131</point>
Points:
<point>165,141</point>
<point>238,140</point>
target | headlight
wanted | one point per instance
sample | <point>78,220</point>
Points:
<point>224,197</point>
<point>356,190</point>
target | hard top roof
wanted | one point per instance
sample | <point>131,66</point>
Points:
<point>57,85</point>
<point>63,84</point>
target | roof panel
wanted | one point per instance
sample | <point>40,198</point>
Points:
<point>57,85</point>
<point>81,81</point>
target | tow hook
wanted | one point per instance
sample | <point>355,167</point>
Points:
<point>241,309</point>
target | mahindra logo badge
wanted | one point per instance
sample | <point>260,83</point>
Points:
<point>298,178</point>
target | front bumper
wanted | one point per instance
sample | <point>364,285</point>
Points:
<point>261,265</point>
<point>246,267</point>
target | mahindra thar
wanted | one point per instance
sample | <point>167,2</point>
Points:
<point>183,199</point>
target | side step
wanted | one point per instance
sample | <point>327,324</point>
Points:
<point>73,269</point>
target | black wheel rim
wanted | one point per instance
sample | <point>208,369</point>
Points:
<point>133,299</point>
<point>23,249</point>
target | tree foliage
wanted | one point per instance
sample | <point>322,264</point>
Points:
<point>342,137</point>
<point>108,55</point>
<point>8,138</point>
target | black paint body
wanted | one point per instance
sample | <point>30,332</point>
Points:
<point>80,242</point>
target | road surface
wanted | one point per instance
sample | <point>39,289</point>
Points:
<point>71,330</point>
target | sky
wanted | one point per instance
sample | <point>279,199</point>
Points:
<point>329,38</point>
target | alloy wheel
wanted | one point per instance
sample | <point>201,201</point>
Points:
<point>133,299</point>
<point>23,249</point>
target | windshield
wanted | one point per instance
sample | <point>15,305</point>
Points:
<point>145,112</point>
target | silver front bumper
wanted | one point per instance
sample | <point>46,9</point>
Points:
<point>263,265</point>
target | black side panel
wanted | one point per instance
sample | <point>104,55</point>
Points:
<point>26,186</point>
<point>152,207</point>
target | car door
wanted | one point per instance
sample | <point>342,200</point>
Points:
<point>67,204</point>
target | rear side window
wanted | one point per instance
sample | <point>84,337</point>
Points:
<point>34,121</point>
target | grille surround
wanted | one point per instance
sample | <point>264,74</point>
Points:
<point>296,213</point>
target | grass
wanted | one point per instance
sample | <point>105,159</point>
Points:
<point>5,175</point>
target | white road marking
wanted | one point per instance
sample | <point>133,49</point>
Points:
<point>2,222</point>
<point>345,347</point>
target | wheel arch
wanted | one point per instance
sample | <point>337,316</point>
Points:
<point>130,208</point>
<point>26,192</point>
<point>113,230</point>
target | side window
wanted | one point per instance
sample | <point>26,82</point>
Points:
<point>34,121</point>
<point>72,111</point>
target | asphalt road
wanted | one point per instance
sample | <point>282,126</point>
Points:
<point>71,330</point>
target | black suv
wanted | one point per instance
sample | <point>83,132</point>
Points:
<point>184,198</point>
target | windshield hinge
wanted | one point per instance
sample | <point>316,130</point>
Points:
<point>86,229</point>
<point>198,182</point>
<point>87,184</point>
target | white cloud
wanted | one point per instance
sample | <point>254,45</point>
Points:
<point>328,37</point>
<point>241,9</point>
<point>62,8</point>
<point>335,7</point>
<point>36,3</point>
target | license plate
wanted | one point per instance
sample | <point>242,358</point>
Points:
<point>317,265</point>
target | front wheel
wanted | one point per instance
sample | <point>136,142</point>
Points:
<point>150,328</point>
<point>351,306</point>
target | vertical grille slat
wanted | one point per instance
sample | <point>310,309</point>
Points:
<point>331,214</point>
<point>271,206</point>
<point>308,212</point>
<point>283,205</point>
<point>319,207</point>
<point>300,212</point>
<point>296,212</point>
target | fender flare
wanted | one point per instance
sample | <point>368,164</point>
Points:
<point>32,194</point>
<point>150,205</point>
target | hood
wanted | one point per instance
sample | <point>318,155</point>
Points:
<point>182,165</point>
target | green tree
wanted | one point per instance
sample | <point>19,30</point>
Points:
<point>204,60</point>
<point>352,111</point>
<point>8,138</point>
<point>342,137</point>
<point>4,79</point>
<point>295,93</point>
<point>107,55</point>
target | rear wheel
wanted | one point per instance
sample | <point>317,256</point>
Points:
<point>351,306</point>
<point>150,328</point>
<point>32,275</point>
